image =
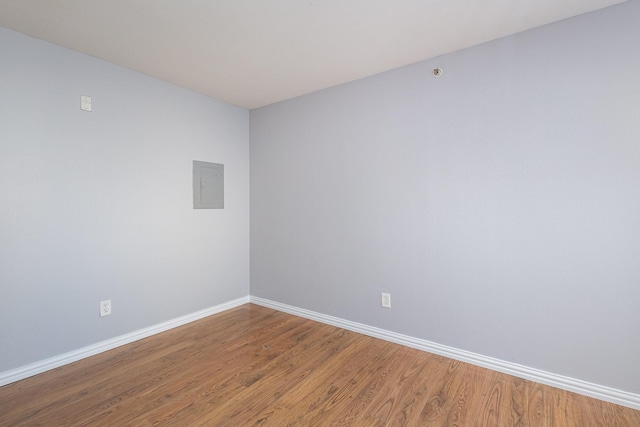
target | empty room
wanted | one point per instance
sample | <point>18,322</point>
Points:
<point>319,213</point>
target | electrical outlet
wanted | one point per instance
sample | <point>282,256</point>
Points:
<point>85,103</point>
<point>105,308</point>
<point>385,300</point>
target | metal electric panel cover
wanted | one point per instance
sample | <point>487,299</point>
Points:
<point>208,185</point>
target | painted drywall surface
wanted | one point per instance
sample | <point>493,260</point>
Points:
<point>499,204</point>
<point>99,205</point>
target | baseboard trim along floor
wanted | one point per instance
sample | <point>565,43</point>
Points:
<point>608,394</point>
<point>14,375</point>
<point>585,388</point>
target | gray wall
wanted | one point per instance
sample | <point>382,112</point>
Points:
<point>99,205</point>
<point>499,204</point>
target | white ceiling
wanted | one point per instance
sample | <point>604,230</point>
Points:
<point>256,52</point>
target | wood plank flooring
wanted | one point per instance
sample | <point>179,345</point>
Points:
<point>252,366</point>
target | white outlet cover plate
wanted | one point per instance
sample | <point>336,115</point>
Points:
<point>85,103</point>
<point>105,308</point>
<point>385,300</point>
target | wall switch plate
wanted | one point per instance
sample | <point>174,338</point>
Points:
<point>85,103</point>
<point>105,308</point>
<point>385,300</point>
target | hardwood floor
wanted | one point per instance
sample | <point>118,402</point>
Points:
<point>252,366</point>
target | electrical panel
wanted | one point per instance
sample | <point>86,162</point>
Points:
<point>208,185</point>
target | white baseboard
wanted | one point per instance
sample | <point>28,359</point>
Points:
<point>13,375</point>
<point>619,397</point>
